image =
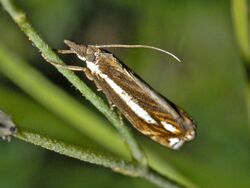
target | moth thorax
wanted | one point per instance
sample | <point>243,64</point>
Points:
<point>91,53</point>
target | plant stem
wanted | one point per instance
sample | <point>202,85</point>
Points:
<point>241,27</point>
<point>120,166</point>
<point>27,78</point>
<point>20,18</point>
<point>239,9</point>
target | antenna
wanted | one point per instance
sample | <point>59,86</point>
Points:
<point>136,46</point>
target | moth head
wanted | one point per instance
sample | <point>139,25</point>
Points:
<point>85,53</point>
<point>7,127</point>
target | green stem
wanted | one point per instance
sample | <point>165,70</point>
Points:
<point>120,166</point>
<point>48,94</point>
<point>20,18</point>
<point>240,20</point>
<point>241,27</point>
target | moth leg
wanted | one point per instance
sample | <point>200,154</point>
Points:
<point>99,88</point>
<point>69,67</point>
<point>88,74</point>
<point>111,105</point>
<point>65,51</point>
<point>120,115</point>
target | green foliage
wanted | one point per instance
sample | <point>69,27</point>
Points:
<point>210,84</point>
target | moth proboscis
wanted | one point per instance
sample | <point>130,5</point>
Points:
<point>147,110</point>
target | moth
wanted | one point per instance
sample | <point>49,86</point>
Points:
<point>147,110</point>
<point>7,127</point>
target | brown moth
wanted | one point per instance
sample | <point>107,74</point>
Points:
<point>147,110</point>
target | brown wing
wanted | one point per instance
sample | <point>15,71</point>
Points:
<point>162,111</point>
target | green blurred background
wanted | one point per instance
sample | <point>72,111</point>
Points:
<point>209,84</point>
